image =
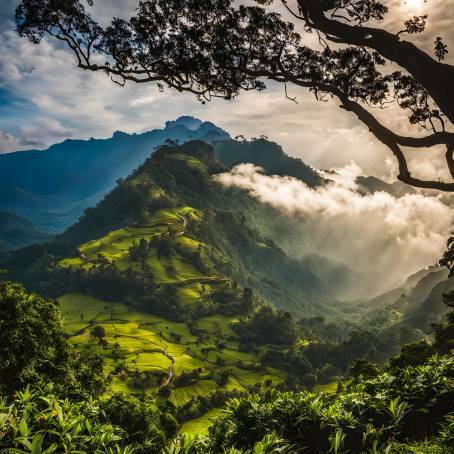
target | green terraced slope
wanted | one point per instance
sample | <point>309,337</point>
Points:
<point>145,353</point>
<point>137,342</point>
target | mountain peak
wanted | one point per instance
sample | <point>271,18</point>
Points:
<point>119,134</point>
<point>186,121</point>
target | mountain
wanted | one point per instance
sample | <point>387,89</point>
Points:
<point>406,313</point>
<point>170,272</point>
<point>269,156</point>
<point>185,175</point>
<point>53,187</point>
<point>16,232</point>
<point>370,184</point>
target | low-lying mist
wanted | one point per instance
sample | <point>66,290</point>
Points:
<point>380,237</point>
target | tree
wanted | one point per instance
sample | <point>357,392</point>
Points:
<point>362,368</point>
<point>444,331</point>
<point>98,332</point>
<point>34,349</point>
<point>248,299</point>
<point>33,345</point>
<point>144,424</point>
<point>217,48</point>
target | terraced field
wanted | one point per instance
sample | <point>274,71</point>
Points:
<point>172,269</point>
<point>136,342</point>
<point>144,353</point>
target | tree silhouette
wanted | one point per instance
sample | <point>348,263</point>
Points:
<point>217,48</point>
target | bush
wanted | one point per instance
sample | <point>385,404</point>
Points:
<point>406,406</point>
<point>37,421</point>
<point>141,420</point>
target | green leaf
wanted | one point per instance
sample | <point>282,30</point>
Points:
<point>23,427</point>
<point>37,443</point>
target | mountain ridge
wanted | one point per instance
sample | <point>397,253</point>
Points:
<point>186,175</point>
<point>70,176</point>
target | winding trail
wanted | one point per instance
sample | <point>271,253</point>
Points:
<point>171,368</point>
<point>160,349</point>
<point>182,230</point>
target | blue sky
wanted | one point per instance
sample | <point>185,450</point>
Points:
<point>45,99</point>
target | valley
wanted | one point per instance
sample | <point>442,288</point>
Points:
<point>172,289</point>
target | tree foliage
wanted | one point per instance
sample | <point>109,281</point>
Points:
<point>34,348</point>
<point>143,423</point>
<point>217,48</point>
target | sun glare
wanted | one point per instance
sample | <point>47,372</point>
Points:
<point>414,5</point>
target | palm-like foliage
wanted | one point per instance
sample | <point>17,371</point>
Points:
<point>37,422</point>
<point>376,416</point>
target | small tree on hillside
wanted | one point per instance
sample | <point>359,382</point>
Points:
<point>98,332</point>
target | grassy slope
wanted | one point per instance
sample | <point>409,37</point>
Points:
<point>145,342</point>
<point>139,340</point>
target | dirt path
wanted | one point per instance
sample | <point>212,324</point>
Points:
<point>181,231</point>
<point>160,349</point>
<point>171,368</point>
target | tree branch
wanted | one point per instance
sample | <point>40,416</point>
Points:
<point>437,78</point>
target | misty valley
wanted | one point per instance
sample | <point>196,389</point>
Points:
<point>226,227</point>
<point>194,291</point>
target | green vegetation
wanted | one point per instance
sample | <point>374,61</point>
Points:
<point>157,336</point>
<point>373,416</point>
<point>34,349</point>
<point>37,421</point>
<point>144,353</point>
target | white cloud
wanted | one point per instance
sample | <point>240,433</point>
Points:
<point>370,233</point>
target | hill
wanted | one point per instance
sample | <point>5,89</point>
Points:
<point>269,156</point>
<point>369,185</point>
<point>16,232</point>
<point>405,314</point>
<point>156,280</point>
<point>185,175</point>
<point>53,187</point>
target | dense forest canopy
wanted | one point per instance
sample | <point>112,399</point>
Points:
<point>217,48</point>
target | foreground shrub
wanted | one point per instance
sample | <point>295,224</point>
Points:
<point>36,421</point>
<point>405,407</point>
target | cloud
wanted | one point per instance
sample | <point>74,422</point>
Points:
<point>7,142</point>
<point>49,86</point>
<point>371,233</point>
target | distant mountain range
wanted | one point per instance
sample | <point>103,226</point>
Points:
<point>16,232</point>
<point>53,187</point>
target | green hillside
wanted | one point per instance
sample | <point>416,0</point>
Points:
<point>228,229</point>
<point>148,354</point>
<point>191,350</point>
<point>169,281</point>
<point>165,279</point>
<point>166,290</point>
<point>144,353</point>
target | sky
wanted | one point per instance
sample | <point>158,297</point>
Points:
<point>44,99</point>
